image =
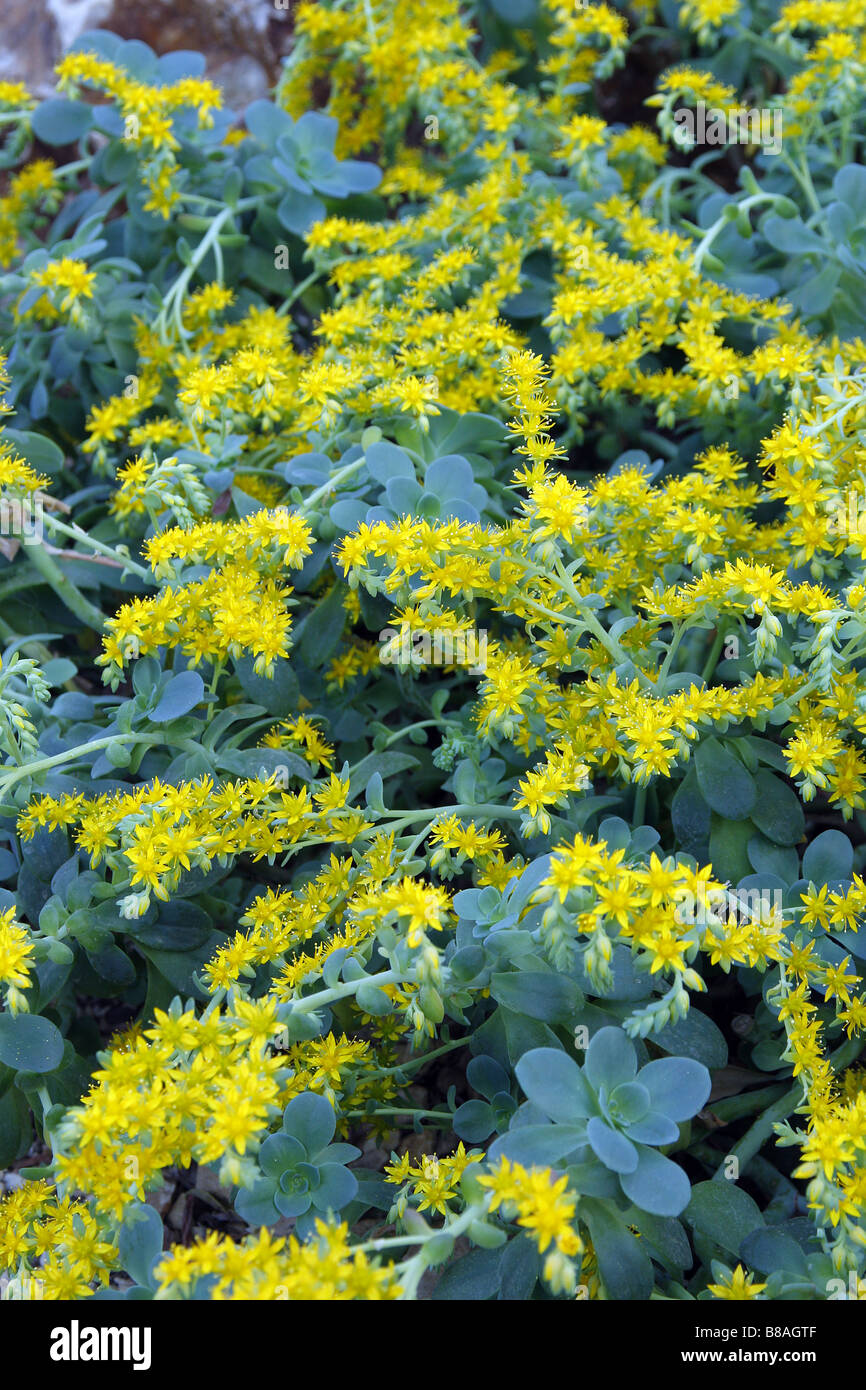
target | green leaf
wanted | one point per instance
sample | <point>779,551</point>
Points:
<point>278,694</point>
<point>629,1102</point>
<point>36,449</point>
<point>30,1043</point>
<point>623,1263</point>
<point>777,811</point>
<point>474,1121</point>
<point>387,764</point>
<point>695,1036</point>
<point>279,1152</point>
<point>267,121</point>
<point>113,966</point>
<point>521,1034</point>
<point>729,842</point>
<point>178,967</point>
<point>768,1250</point>
<point>337,1187</point>
<point>16,1130</point>
<point>724,1213</point>
<point>539,993</point>
<point>474,1278</point>
<point>724,783</point>
<point>666,1236</point>
<point>518,1269</point>
<point>255,1205</point>
<point>323,629</point>
<point>386,461</point>
<point>252,762</point>
<point>373,792</point>
<point>373,1000</point>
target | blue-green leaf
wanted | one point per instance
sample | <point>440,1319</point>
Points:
<point>654,1128</point>
<point>310,1118</point>
<point>474,1121</point>
<point>610,1059</point>
<point>830,856</point>
<point>537,993</point>
<point>182,694</point>
<point>612,1148</point>
<point>30,1043</point>
<point>629,1102</point>
<point>657,1184</point>
<point>724,782</point>
<point>139,1241</point>
<point>678,1086</point>
<point>279,1152</point>
<point>337,1187</point>
<point>767,1250</point>
<point>255,1205</point>
<point>59,121</point>
<point>543,1144</point>
<point>777,811</point>
<point>473,1278</point>
<point>695,1036</point>
<point>554,1082</point>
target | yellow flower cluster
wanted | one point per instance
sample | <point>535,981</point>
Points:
<point>67,282</point>
<point>240,607</point>
<point>301,735</point>
<point>542,1204</point>
<point>16,948</point>
<point>58,1243</point>
<point>268,1267</point>
<point>31,190</point>
<point>434,1179</point>
<point>146,112</point>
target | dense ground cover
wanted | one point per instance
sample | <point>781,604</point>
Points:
<point>432,701</point>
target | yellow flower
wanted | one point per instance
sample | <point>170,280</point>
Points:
<point>736,1286</point>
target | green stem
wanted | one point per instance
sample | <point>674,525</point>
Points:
<point>401,733</point>
<point>75,533</point>
<point>331,484</point>
<point>755,1138</point>
<point>658,441</point>
<point>298,290</point>
<point>414,1062</point>
<point>396,1110</point>
<point>679,632</point>
<point>736,1107</point>
<point>328,996</point>
<point>719,225</point>
<point>174,298</point>
<point>65,590</point>
<point>401,818</point>
<point>69,755</point>
<point>713,658</point>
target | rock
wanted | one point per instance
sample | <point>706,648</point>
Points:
<point>241,81</point>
